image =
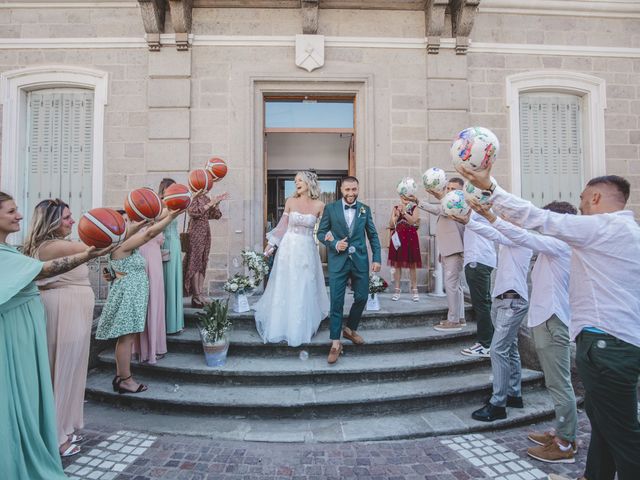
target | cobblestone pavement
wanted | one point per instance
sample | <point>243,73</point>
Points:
<point>124,455</point>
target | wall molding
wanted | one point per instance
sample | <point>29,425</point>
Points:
<point>14,86</point>
<point>331,42</point>
<point>593,91</point>
<point>81,4</point>
<point>572,8</point>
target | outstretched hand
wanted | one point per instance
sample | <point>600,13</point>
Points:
<point>482,209</point>
<point>436,193</point>
<point>463,219</point>
<point>479,178</point>
<point>93,252</point>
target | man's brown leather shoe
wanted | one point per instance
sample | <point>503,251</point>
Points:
<point>353,336</point>
<point>334,353</point>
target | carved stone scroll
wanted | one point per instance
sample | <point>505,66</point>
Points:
<point>463,14</point>
<point>181,14</point>
<point>434,12</point>
<point>153,13</point>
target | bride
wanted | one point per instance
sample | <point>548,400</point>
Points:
<point>295,300</point>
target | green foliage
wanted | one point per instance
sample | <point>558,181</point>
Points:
<point>214,320</point>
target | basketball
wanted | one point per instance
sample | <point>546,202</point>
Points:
<point>217,168</point>
<point>101,228</point>
<point>200,179</point>
<point>177,197</point>
<point>475,147</point>
<point>142,204</point>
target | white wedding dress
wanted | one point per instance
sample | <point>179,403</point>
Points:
<point>295,300</point>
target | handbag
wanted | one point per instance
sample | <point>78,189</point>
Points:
<point>184,237</point>
<point>395,238</point>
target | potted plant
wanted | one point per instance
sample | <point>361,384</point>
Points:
<point>214,325</point>
<point>239,285</point>
<point>377,285</point>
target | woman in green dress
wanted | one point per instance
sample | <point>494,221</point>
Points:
<point>125,313</point>
<point>172,269</point>
<point>27,408</point>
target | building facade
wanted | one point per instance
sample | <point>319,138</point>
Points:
<point>100,97</point>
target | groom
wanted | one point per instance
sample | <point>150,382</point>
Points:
<point>342,229</point>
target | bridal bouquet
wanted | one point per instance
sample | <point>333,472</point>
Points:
<point>239,284</point>
<point>257,264</point>
<point>377,284</point>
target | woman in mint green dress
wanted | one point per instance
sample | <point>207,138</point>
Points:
<point>125,313</point>
<point>27,409</point>
<point>172,269</point>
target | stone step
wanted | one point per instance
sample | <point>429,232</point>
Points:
<point>248,342</point>
<point>404,312</point>
<point>425,422</point>
<point>291,369</point>
<point>303,401</point>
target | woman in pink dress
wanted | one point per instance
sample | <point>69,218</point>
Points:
<point>405,221</point>
<point>151,345</point>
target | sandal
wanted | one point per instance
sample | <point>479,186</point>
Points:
<point>396,296</point>
<point>415,297</point>
<point>114,383</point>
<point>73,438</point>
<point>141,387</point>
<point>70,451</point>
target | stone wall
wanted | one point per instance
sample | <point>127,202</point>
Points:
<point>169,111</point>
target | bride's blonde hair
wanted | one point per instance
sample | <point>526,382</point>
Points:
<point>311,179</point>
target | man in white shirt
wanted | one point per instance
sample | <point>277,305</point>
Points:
<point>604,292</point>
<point>449,235</point>
<point>510,305</point>
<point>548,319</point>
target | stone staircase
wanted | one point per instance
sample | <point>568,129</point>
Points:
<point>407,381</point>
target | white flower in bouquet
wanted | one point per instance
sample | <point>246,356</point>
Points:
<point>377,284</point>
<point>233,287</point>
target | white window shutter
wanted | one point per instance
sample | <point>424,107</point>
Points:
<point>60,156</point>
<point>551,148</point>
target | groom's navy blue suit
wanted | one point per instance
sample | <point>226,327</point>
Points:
<point>345,265</point>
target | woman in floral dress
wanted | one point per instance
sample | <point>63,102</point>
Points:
<point>125,312</point>
<point>201,210</point>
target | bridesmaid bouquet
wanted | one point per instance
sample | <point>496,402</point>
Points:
<point>238,284</point>
<point>377,284</point>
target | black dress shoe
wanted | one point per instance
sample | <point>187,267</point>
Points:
<point>514,402</point>
<point>489,413</point>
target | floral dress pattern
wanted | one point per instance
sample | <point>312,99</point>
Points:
<point>196,260</point>
<point>126,309</point>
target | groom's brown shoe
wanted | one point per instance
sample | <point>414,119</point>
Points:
<point>334,353</point>
<point>353,336</point>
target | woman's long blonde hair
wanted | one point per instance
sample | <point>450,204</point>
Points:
<point>311,179</point>
<point>47,218</point>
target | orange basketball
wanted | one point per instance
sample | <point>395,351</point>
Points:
<point>200,179</point>
<point>217,168</point>
<point>101,228</point>
<point>142,204</point>
<point>177,197</point>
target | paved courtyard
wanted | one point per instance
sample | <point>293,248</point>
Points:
<point>109,454</point>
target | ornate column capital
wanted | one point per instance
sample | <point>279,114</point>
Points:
<point>434,15</point>
<point>153,14</point>
<point>463,14</point>
<point>310,16</point>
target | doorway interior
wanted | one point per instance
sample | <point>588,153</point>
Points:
<point>306,132</point>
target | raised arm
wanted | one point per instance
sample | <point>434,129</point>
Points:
<point>488,232</point>
<point>141,238</point>
<point>538,243</point>
<point>57,266</point>
<point>577,230</point>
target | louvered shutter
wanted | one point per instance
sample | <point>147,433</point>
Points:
<point>551,148</point>
<point>59,152</point>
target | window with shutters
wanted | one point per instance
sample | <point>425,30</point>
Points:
<point>59,157</point>
<point>551,152</point>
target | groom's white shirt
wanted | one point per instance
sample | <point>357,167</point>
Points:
<point>349,213</point>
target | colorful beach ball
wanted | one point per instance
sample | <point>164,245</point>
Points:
<point>453,203</point>
<point>434,179</point>
<point>407,187</point>
<point>473,192</point>
<point>475,147</point>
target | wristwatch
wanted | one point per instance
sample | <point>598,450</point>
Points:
<point>488,192</point>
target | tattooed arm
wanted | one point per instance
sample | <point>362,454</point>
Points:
<point>57,266</point>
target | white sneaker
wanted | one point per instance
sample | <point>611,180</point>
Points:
<point>476,350</point>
